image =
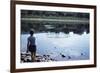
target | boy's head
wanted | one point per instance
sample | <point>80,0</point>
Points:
<point>31,32</point>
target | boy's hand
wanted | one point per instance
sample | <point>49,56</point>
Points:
<point>27,50</point>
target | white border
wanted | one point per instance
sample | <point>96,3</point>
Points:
<point>52,64</point>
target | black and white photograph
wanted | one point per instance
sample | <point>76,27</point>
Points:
<point>52,36</point>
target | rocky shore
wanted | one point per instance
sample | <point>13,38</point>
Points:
<point>26,57</point>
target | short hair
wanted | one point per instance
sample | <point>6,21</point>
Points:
<point>31,31</point>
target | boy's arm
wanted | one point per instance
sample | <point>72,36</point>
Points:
<point>27,45</point>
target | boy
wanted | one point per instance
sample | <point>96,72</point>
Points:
<point>31,45</point>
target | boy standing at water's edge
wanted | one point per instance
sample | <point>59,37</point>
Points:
<point>31,45</point>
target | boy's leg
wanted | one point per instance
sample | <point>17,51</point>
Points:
<point>33,56</point>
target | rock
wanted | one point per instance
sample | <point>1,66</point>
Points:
<point>38,61</point>
<point>28,54</point>
<point>69,57</point>
<point>52,59</point>
<point>62,55</point>
<point>82,54</point>
<point>23,52</point>
<point>44,55</point>
<point>28,60</point>
<point>48,55</point>
<point>22,59</point>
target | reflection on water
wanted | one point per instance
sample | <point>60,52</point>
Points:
<point>60,45</point>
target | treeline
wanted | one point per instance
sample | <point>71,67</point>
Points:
<point>35,13</point>
<point>46,26</point>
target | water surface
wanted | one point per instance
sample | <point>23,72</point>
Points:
<point>73,46</point>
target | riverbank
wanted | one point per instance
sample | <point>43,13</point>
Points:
<point>26,57</point>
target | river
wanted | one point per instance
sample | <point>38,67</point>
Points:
<point>73,46</point>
